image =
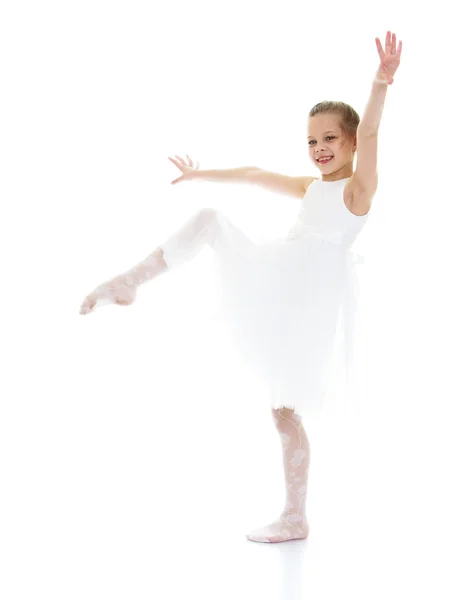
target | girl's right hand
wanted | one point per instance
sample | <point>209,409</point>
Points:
<point>188,170</point>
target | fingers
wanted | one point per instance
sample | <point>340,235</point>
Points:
<point>191,163</point>
<point>380,48</point>
<point>184,163</point>
<point>388,42</point>
<point>178,167</point>
<point>390,45</point>
<point>172,160</point>
<point>179,160</point>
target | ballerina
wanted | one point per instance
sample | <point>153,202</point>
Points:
<point>284,297</point>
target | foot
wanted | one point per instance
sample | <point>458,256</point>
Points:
<point>287,528</point>
<point>115,291</point>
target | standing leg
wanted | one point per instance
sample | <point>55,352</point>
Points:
<point>203,227</point>
<point>292,524</point>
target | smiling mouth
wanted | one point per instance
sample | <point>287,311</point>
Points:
<point>324,160</point>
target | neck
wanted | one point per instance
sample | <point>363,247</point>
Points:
<point>343,173</point>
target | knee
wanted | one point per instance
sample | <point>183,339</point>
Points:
<point>283,411</point>
<point>206,217</point>
<point>207,214</point>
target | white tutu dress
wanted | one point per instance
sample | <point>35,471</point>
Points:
<point>291,303</point>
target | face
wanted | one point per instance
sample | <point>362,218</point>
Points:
<point>325,138</point>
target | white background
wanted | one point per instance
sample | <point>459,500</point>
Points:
<point>134,453</point>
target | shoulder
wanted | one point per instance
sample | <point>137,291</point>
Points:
<point>307,181</point>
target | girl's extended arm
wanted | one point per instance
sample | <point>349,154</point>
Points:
<point>366,172</point>
<point>288,185</point>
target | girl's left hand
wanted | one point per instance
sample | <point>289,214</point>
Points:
<point>390,60</point>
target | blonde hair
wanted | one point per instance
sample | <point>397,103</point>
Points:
<point>349,117</point>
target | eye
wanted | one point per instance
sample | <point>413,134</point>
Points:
<point>327,137</point>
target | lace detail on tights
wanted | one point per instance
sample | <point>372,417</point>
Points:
<point>292,523</point>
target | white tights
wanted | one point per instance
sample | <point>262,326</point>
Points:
<point>292,523</point>
<point>205,227</point>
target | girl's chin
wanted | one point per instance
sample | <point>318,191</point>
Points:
<point>330,162</point>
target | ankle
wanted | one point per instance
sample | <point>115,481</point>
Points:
<point>293,516</point>
<point>149,268</point>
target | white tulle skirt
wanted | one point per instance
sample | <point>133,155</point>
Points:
<point>290,306</point>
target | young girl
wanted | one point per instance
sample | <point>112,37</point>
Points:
<point>284,298</point>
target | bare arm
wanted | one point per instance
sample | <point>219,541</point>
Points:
<point>238,175</point>
<point>277,183</point>
<point>287,185</point>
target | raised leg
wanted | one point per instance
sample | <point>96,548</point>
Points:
<point>292,523</point>
<point>203,227</point>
